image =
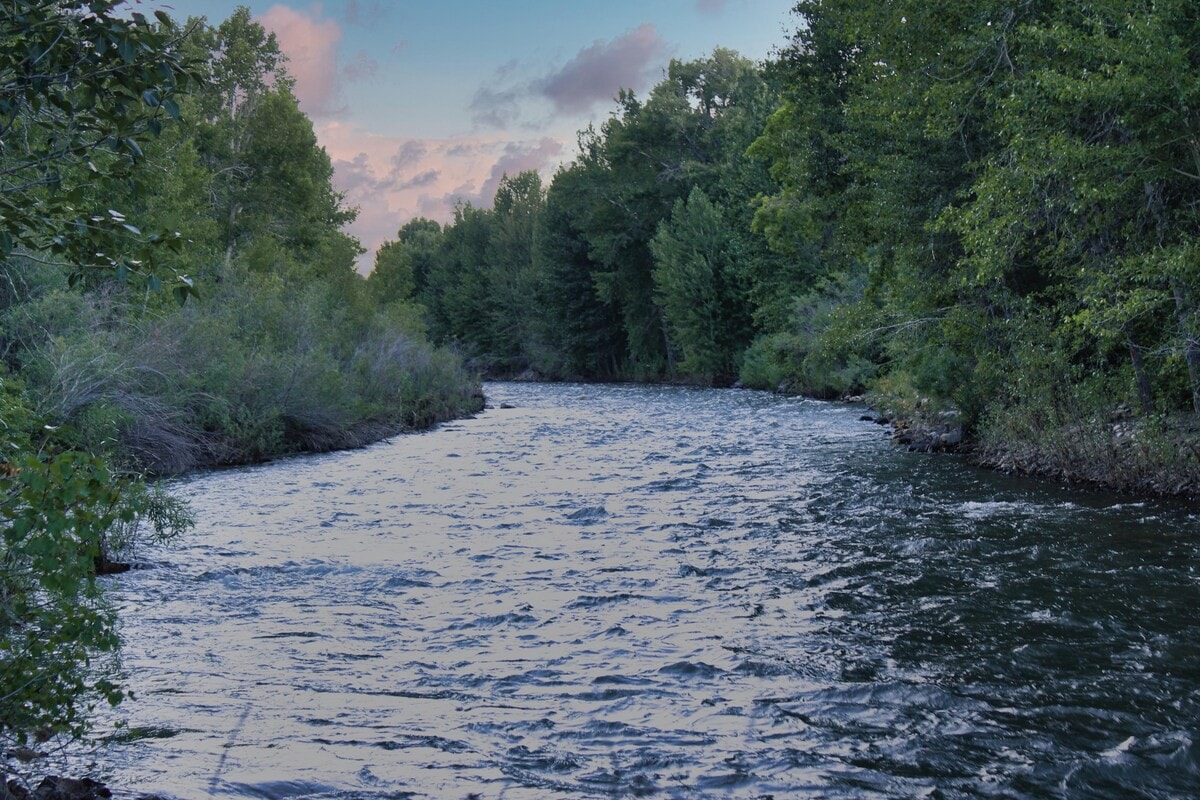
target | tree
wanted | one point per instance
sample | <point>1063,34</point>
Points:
<point>392,278</point>
<point>1088,208</point>
<point>564,279</point>
<point>241,63</point>
<point>457,292</point>
<point>692,131</point>
<point>54,514</point>
<point>695,285</point>
<point>80,88</point>
<point>287,197</point>
<point>578,334</point>
<point>423,238</point>
<point>512,276</point>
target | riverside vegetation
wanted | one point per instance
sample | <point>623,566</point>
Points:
<point>983,213</point>
<point>177,292</point>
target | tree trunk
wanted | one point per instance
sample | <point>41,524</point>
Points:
<point>1145,393</point>
<point>1191,346</point>
<point>234,209</point>
<point>670,349</point>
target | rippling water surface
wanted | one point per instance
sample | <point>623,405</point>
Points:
<point>660,592</point>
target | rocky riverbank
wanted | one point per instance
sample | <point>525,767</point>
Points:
<point>941,433</point>
<point>55,787</point>
<point>1120,452</point>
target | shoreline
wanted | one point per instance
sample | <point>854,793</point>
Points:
<point>1122,455</point>
<point>357,435</point>
<point>1116,456</point>
<point>1112,455</point>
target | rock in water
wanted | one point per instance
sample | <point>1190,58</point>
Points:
<point>11,790</point>
<point>56,788</point>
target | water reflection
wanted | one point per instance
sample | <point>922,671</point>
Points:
<point>653,591</point>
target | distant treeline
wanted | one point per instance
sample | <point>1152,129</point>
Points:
<point>984,212</point>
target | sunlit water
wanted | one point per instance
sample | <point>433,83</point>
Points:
<point>661,592</point>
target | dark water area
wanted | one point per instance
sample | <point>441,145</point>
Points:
<point>660,592</point>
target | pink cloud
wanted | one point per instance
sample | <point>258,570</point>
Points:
<point>432,207</point>
<point>354,175</point>
<point>392,179</point>
<point>409,153</point>
<point>311,46</point>
<point>427,178</point>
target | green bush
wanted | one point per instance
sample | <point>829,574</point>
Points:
<point>766,363</point>
<point>62,512</point>
<point>825,351</point>
<point>253,370</point>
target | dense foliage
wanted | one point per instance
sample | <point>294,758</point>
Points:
<point>139,156</point>
<point>1016,186</point>
<point>978,212</point>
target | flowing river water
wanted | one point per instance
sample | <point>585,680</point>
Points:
<point>612,591</point>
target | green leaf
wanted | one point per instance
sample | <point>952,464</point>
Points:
<point>127,50</point>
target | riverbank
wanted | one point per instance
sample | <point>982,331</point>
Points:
<point>233,442</point>
<point>467,401</point>
<point>1119,452</point>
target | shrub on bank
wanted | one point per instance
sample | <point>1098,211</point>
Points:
<point>253,372</point>
<point>1074,433</point>
<point>822,353</point>
<point>64,514</point>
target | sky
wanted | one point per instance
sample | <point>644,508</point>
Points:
<point>422,105</point>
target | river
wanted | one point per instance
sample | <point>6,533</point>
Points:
<point>618,591</point>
